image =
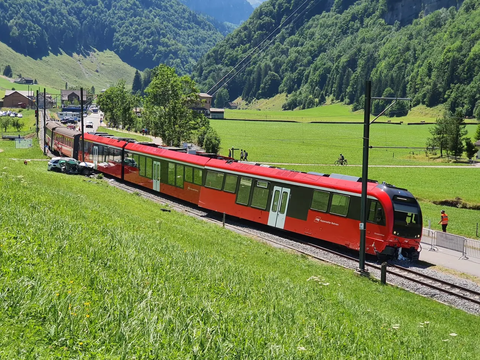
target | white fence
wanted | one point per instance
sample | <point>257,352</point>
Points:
<point>467,247</point>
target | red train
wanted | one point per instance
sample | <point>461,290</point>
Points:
<point>322,206</point>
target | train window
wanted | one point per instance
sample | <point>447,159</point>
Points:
<point>376,213</point>
<point>179,176</point>
<point>141,160</point>
<point>320,200</point>
<point>171,174</point>
<point>117,155</point>
<point>276,195</point>
<point>230,183</point>
<point>137,159</point>
<point>188,174</point>
<point>198,176</point>
<point>354,208</point>
<point>260,195</point>
<point>149,168</point>
<point>283,206</point>
<point>243,194</point>
<point>214,180</point>
<point>339,204</point>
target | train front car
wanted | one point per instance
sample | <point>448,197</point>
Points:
<point>404,224</point>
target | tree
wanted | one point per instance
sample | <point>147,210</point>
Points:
<point>117,104</point>
<point>137,85</point>
<point>470,149</point>
<point>212,142</point>
<point>222,98</point>
<point>439,135</point>
<point>8,71</point>
<point>456,133</point>
<point>5,123</point>
<point>477,133</point>
<point>168,106</point>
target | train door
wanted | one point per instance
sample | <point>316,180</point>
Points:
<point>156,175</point>
<point>95,156</point>
<point>278,207</point>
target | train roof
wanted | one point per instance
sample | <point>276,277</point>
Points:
<point>105,140</point>
<point>66,131</point>
<point>168,154</point>
<point>51,125</point>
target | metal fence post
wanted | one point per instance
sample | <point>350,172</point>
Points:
<point>464,252</point>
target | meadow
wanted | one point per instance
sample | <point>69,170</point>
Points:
<point>89,271</point>
<point>331,112</point>
<point>397,157</point>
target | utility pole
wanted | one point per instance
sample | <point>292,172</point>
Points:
<point>366,147</point>
<point>81,116</point>
<point>45,121</point>
<point>36,115</point>
<point>363,210</point>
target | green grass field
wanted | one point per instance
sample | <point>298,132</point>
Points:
<point>271,110</point>
<point>89,271</point>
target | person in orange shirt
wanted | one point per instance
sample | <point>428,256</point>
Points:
<point>444,220</point>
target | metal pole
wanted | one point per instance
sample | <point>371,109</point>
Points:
<point>363,212</point>
<point>36,114</point>
<point>45,121</point>
<point>81,117</point>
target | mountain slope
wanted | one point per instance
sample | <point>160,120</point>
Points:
<point>232,11</point>
<point>331,48</point>
<point>98,69</point>
<point>143,33</point>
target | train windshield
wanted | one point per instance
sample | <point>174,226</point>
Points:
<point>408,218</point>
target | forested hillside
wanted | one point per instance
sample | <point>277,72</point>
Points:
<point>232,11</point>
<point>331,48</point>
<point>144,33</point>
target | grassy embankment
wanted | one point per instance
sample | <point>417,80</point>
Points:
<point>315,147</point>
<point>100,69</point>
<point>91,271</point>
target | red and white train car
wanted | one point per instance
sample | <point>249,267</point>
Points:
<point>322,206</point>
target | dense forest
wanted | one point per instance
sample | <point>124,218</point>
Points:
<point>144,33</point>
<point>232,11</point>
<point>329,49</point>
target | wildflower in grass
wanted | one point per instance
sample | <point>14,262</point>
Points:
<point>71,281</point>
<point>86,304</point>
<point>396,326</point>
<point>453,334</point>
<point>87,316</point>
<point>80,343</point>
<point>57,294</point>
<point>301,348</point>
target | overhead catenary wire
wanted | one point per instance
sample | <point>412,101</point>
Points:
<point>256,48</point>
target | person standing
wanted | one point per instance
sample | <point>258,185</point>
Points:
<point>444,220</point>
<point>245,155</point>
<point>241,154</point>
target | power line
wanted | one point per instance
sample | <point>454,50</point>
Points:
<point>250,53</point>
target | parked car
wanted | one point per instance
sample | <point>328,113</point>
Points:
<point>70,166</point>
<point>89,125</point>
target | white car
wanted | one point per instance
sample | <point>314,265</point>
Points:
<point>89,125</point>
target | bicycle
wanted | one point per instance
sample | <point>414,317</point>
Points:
<point>340,162</point>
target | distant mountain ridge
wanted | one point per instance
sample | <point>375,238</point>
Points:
<point>144,33</point>
<point>232,11</point>
<point>256,3</point>
<point>423,49</point>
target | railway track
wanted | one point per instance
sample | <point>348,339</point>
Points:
<point>449,290</point>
